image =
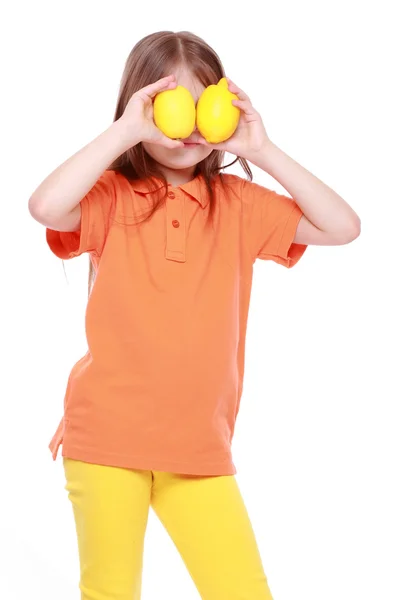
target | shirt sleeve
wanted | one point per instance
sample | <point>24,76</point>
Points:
<point>272,225</point>
<point>96,210</point>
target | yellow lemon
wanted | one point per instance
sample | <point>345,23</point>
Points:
<point>217,118</point>
<point>175,112</point>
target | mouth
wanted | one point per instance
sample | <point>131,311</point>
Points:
<point>192,141</point>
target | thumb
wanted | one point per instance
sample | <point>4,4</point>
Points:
<point>170,143</point>
<point>204,142</point>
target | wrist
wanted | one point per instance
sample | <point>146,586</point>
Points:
<point>124,134</point>
<point>260,157</point>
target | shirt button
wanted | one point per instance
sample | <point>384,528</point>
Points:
<point>171,195</point>
<point>175,223</point>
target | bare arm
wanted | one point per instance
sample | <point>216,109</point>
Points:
<point>56,202</point>
<point>327,220</point>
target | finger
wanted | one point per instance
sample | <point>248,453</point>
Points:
<point>236,90</point>
<point>195,137</point>
<point>204,142</point>
<point>245,106</point>
<point>159,86</point>
<point>172,144</point>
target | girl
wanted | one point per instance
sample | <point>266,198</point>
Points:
<point>150,410</point>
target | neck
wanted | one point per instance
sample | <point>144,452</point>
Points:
<point>178,177</point>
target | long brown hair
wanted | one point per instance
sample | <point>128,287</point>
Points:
<point>152,58</point>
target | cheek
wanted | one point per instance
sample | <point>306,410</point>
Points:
<point>205,151</point>
<point>202,152</point>
<point>165,156</point>
<point>155,151</point>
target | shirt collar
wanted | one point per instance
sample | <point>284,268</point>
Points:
<point>196,188</point>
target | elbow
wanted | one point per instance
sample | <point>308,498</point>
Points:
<point>39,210</point>
<point>354,229</point>
<point>349,232</point>
<point>35,207</point>
<point>48,214</point>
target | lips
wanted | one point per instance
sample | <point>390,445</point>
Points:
<point>193,140</point>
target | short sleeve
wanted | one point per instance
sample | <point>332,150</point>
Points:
<point>96,211</point>
<point>272,225</point>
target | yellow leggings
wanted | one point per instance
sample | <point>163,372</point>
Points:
<point>205,517</point>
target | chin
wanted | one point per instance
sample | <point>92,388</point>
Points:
<point>181,158</point>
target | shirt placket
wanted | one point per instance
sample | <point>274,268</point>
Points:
<point>176,227</point>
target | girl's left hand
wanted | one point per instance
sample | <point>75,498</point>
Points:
<point>250,136</point>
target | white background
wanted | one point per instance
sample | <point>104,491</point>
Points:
<point>317,445</point>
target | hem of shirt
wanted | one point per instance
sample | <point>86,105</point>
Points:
<point>145,463</point>
<point>288,249</point>
<point>69,244</point>
<point>83,230</point>
<point>288,252</point>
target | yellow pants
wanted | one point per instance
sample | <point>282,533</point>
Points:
<point>205,517</point>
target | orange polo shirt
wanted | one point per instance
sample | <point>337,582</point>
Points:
<point>160,385</point>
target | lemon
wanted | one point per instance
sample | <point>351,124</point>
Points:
<point>175,112</point>
<point>217,118</point>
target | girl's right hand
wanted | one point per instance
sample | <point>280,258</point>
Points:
<point>138,115</point>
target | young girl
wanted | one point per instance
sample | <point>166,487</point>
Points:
<point>150,410</point>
